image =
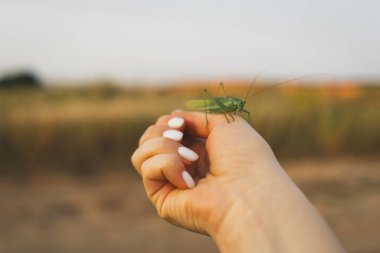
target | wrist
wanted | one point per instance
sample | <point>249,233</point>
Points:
<point>271,216</point>
<point>254,214</point>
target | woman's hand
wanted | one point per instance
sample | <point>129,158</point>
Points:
<point>224,181</point>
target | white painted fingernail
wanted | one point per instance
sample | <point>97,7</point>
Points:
<point>189,181</point>
<point>188,154</point>
<point>176,122</point>
<point>173,134</point>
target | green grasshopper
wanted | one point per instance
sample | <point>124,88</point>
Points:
<point>228,105</point>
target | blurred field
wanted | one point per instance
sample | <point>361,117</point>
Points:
<point>82,130</point>
<point>110,212</point>
<point>67,185</point>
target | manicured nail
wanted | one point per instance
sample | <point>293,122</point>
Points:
<point>189,181</point>
<point>188,154</point>
<point>173,134</point>
<point>176,122</point>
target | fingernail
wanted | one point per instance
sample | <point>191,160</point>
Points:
<point>173,134</point>
<point>176,122</point>
<point>188,154</point>
<point>189,181</point>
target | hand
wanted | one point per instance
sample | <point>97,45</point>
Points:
<point>238,193</point>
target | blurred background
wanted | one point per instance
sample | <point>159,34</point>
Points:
<point>81,80</point>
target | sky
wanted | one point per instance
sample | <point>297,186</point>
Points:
<point>165,40</point>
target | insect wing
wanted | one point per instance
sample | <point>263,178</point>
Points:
<point>212,105</point>
<point>199,104</point>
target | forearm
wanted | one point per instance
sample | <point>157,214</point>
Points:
<point>274,216</point>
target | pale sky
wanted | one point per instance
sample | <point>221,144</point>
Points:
<point>164,40</point>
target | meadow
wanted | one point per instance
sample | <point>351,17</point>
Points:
<point>92,128</point>
<point>67,184</point>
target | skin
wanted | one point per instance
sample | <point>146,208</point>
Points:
<point>243,198</point>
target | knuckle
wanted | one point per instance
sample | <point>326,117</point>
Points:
<point>153,144</point>
<point>143,169</point>
<point>162,213</point>
<point>153,131</point>
<point>146,135</point>
<point>161,162</point>
<point>149,130</point>
<point>172,161</point>
<point>152,147</point>
<point>166,161</point>
<point>134,159</point>
<point>160,144</point>
<point>162,119</point>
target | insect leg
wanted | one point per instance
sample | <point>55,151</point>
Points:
<point>249,115</point>
<point>232,117</point>
<point>221,86</point>
<point>221,106</point>
<point>204,100</point>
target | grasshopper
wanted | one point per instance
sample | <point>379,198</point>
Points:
<point>229,106</point>
<point>226,105</point>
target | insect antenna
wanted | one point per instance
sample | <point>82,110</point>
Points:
<point>289,81</point>
<point>253,82</point>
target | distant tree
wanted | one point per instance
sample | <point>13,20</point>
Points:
<point>20,79</point>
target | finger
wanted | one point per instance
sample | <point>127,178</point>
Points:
<point>163,120</point>
<point>152,132</point>
<point>166,167</point>
<point>152,147</point>
<point>196,122</point>
<point>171,122</point>
<point>176,123</point>
<point>158,131</point>
<point>160,145</point>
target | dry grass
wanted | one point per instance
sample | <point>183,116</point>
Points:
<point>89,129</point>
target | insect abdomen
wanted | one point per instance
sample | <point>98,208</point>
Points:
<point>218,105</point>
